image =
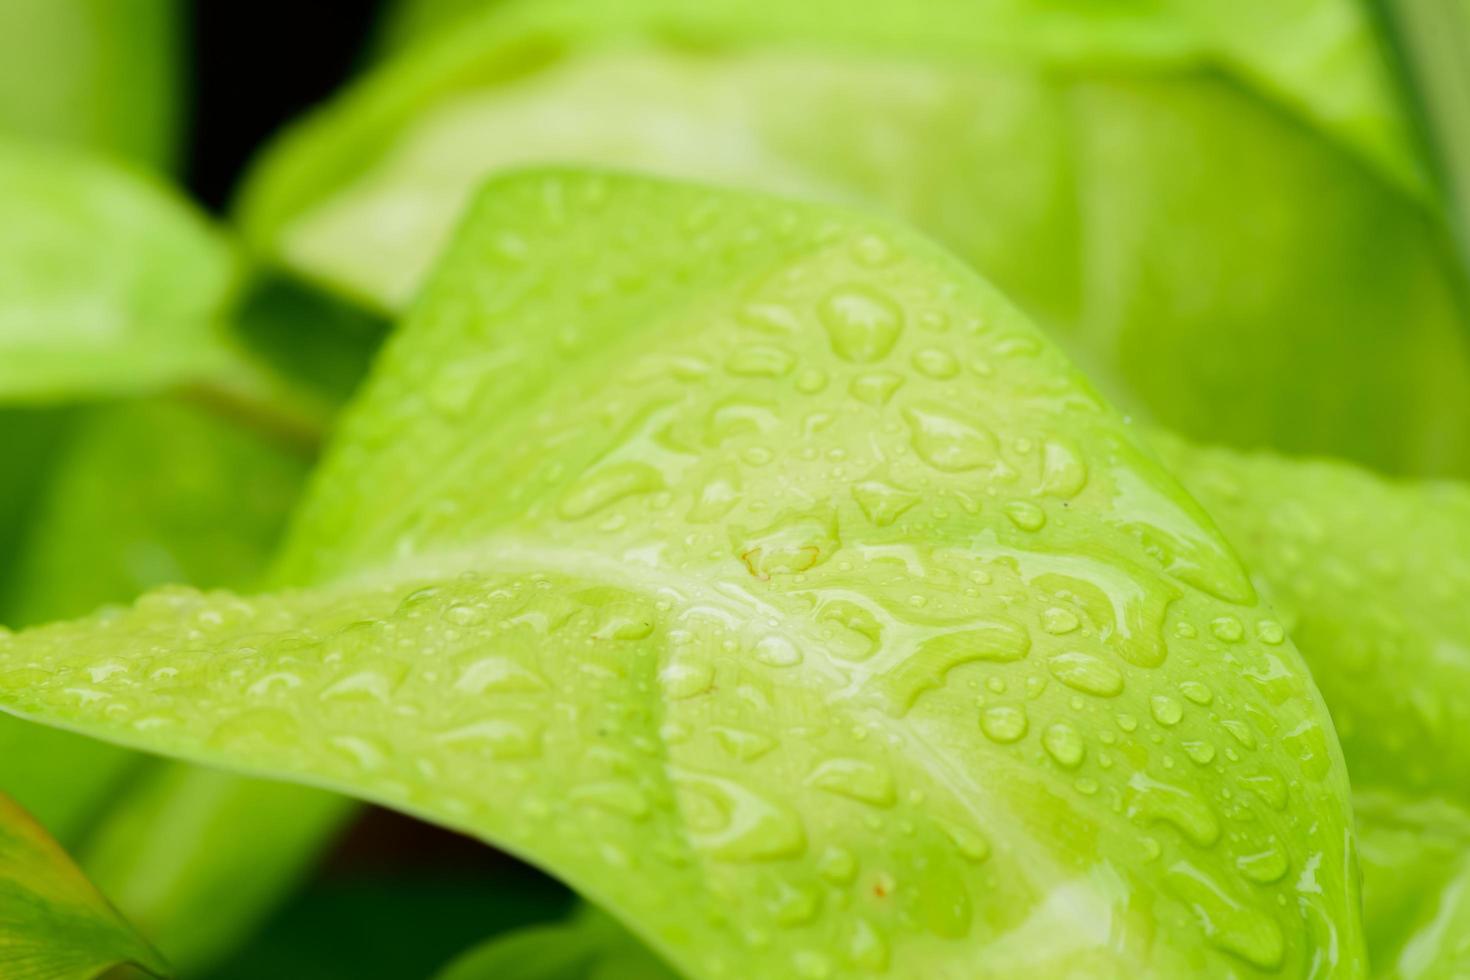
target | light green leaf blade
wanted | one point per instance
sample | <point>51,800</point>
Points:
<point>54,925</point>
<point>1053,148</point>
<point>98,74</point>
<point>591,946</point>
<point>1370,576</point>
<point>108,283</point>
<point>695,545</point>
<point>1416,885</point>
<point>136,494</point>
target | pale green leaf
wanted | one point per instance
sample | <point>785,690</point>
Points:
<point>591,946</point>
<point>1053,146</point>
<point>108,283</point>
<point>99,74</point>
<point>1371,577</point>
<point>1415,855</point>
<point>54,925</point>
<point>135,494</point>
<point>756,569</point>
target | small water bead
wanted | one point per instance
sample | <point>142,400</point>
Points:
<point>1025,515</point>
<point>882,502</point>
<point>937,363</point>
<point>864,947</point>
<point>777,651</point>
<point>856,780</point>
<point>1086,673</point>
<point>1059,621</point>
<point>874,251</point>
<point>683,679</point>
<point>1240,731</point>
<point>1227,629</point>
<point>1166,710</point>
<point>862,323</point>
<point>811,380</point>
<point>605,486</point>
<point>1196,692</point>
<point>760,361</point>
<point>1270,632</point>
<point>949,443</point>
<point>837,865</point>
<point>794,905</point>
<point>876,387</point>
<point>1064,744</point>
<point>1200,752</point>
<point>1063,474</point>
<point>1004,723</point>
<point>1264,866</point>
<point>618,797</point>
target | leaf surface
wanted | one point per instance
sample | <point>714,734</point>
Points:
<point>1052,148</point>
<point>591,946</point>
<point>54,925</point>
<point>108,284</point>
<point>699,545</point>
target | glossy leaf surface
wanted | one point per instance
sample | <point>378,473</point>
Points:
<point>758,549</point>
<point>1053,146</point>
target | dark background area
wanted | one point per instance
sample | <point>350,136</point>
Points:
<point>256,66</point>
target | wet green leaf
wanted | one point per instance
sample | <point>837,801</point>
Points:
<point>756,549</point>
<point>54,925</point>
<point>1054,146</point>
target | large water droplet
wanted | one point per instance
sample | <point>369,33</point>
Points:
<point>607,485</point>
<point>949,443</point>
<point>862,323</point>
<point>1086,673</point>
<point>856,780</point>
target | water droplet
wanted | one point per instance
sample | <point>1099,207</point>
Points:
<point>1064,744</point>
<point>856,780</point>
<point>1155,801</point>
<point>876,387</point>
<point>1063,474</point>
<point>1270,632</point>
<point>1196,692</point>
<point>1201,752</point>
<point>498,738</point>
<point>1004,723</point>
<point>1228,923</point>
<point>949,443</point>
<point>731,822</point>
<point>614,796</point>
<point>746,746</point>
<point>837,865</point>
<point>1086,673</point>
<point>777,651</point>
<point>793,543</point>
<point>497,675</point>
<point>758,361</point>
<point>862,323</point>
<point>1025,515</point>
<point>811,380</point>
<point>607,485</point>
<point>937,363</point>
<point>929,665</point>
<point>1264,866</point>
<point>1166,710</point>
<point>865,947</point>
<point>686,678</point>
<point>1059,621</point>
<point>882,502</point>
<point>1227,629</point>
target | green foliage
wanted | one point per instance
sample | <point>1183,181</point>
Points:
<point>1054,146</point>
<point>53,924</point>
<point>589,947</point>
<point>628,526</point>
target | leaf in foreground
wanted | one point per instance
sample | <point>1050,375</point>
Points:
<point>755,568</point>
<point>54,925</point>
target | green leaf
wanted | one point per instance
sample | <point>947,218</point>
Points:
<point>137,494</point>
<point>99,74</point>
<point>1053,146</point>
<point>1370,576</point>
<point>755,568</point>
<point>1416,885</point>
<point>54,925</point>
<point>199,858</point>
<point>591,946</point>
<point>108,283</point>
